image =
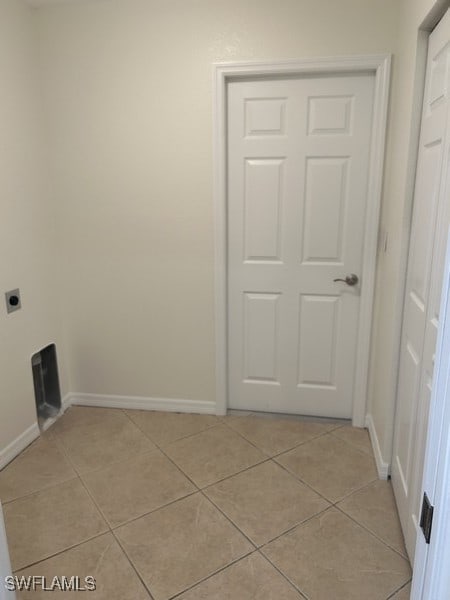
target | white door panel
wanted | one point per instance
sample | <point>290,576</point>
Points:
<point>431,217</point>
<point>298,154</point>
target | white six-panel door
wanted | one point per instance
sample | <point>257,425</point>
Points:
<point>431,218</point>
<point>298,154</point>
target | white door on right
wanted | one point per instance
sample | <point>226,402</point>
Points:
<point>431,218</point>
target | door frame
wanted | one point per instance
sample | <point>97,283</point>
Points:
<point>380,66</point>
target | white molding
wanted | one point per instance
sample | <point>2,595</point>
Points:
<point>379,64</point>
<point>142,403</point>
<point>66,402</point>
<point>374,189</point>
<point>383,468</point>
<point>20,443</point>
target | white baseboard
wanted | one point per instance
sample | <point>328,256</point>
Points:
<point>20,443</point>
<point>66,402</point>
<point>383,468</point>
<point>142,403</point>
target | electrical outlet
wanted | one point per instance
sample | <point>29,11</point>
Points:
<point>13,302</point>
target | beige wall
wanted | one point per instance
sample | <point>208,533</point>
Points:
<point>27,248</point>
<point>396,213</point>
<point>126,88</point>
<point>129,95</point>
<point>127,104</point>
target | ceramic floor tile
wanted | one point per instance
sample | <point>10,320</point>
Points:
<point>177,546</point>
<point>265,501</point>
<point>96,437</point>
<point>84,418</point>
<point>275,435</point>
<point>165,427</point>
<point>331,557</point>
<point>252,578</point>
<point>403,594</point>
<point>213,454</point>
<point>131,488</point>
<point>179,543</point>
<point>50,521</point>
<point>231,412</point>
<point>39,466</point>
<point>356,436</point>
<point>374,507</point>
<point>100,558</point>
<point>330,466</point>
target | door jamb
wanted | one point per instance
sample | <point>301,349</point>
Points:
<point>378,64</point>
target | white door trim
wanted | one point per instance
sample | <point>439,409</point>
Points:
<point>378,64</point>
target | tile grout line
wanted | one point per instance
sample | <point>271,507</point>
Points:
<point>255,546</point>
<point>360,489</point>
<point>132,566</point>
<point>168,457</point>
<point>184,437</point>
<point>62,447</point>
<point>153,510</point>
<point>332,502</point>
<point>211,575</point>
<point>257,464</point>
<point>353,445</point>
<point>66,454</point>
<point>373,534</point>
<point>119,462</point>
<point>332,434</point>
<point>27,447</point>
<point>229,426</point>
<point>284,575</point>
<point>111,531</point>
<point>399,590</point>
<point>43,489</point>
<point>55,554</point>
<point>296,526</point>
<point>337,422</point>
<point>290,449</point>
<point>312,439</point>
<point>302,481</point>
<point>259,546</point>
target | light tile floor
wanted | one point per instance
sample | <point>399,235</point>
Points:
<point>243,507</point>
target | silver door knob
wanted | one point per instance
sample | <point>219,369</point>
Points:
<point>350,279</point>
